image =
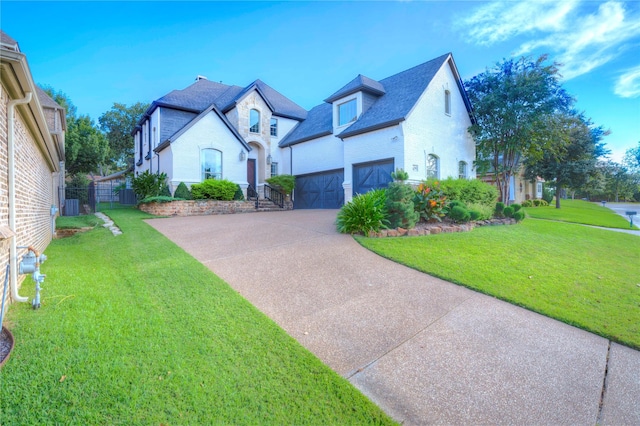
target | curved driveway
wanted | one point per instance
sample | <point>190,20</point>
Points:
<point>425,350</point>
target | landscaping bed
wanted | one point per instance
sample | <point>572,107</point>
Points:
<point>446,227</point>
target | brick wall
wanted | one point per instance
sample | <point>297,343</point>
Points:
<point>36,189</point>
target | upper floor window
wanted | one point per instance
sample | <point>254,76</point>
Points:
<point>274,169</point>
<point>254,121</point>
<point>462,170</point>
<point>347,112</point>
<point>433,166</point>
<point>274,127</point>
<point>211,164</point>
<point>447,102</point>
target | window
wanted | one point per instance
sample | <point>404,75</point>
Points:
<point>211,164</point>
<point>274,169</point>
<point>462,170</point>
<point>347,112</point>
<point>274,127</point>
<point>447,102</point>
<point>254,121</point>
<point>433,165</point>
<point>539,190</point>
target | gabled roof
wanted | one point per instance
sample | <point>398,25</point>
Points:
<point>46,100</point>
<point>360,83</point>
<point>398,95</point>
<point>402,92</point>
<point>7,42</point>
<point>191,123</point>
<point>196,97</point>
<point>277,103</point>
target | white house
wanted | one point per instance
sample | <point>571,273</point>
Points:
<point>416,120</point>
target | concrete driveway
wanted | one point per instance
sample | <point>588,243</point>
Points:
<point>425,350</point>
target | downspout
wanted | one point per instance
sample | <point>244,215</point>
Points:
<point>13,250</point>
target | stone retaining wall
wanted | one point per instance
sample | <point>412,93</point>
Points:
<point>198,207</point>
<point>439,228</point>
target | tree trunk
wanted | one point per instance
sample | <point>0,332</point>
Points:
<point>558,191</point>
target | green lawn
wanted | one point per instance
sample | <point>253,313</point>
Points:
<point>583,276</point>
<point>132,330</point>
<point>82,221</point>
<point>578,211</point>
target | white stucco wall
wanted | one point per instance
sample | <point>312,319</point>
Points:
<point>429,130</point>
<point>325,153</point>
<point>371,146</point>
<point>208,132</point>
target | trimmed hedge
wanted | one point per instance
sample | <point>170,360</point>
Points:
<point>214,189</point>
<point>469,191</point>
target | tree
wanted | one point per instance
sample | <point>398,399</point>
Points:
<point>511,103</point>
<point>118,123</point>
<point>632,159</point>
<point>86,147</point>
<point>574,160</point>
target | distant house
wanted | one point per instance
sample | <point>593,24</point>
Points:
<point>32,131</point>
<point>415,120</point>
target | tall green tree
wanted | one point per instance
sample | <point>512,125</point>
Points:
<point>86,146</point>
<point>573,161</point>
<point>512,102</point>
<point>632,159</point>
<point>118,123</point>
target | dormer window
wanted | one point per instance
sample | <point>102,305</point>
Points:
<point>254,121</point>
<point>347,112</point>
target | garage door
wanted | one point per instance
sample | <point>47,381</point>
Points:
<point>319,190</point>
<point>368,176</point>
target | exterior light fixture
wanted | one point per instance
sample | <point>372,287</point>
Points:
<point>269,159</point>
<point>520,186</point>
<point>243,156</point>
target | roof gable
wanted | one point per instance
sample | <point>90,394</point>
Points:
<point>360,83</point>
<point>279,104</point>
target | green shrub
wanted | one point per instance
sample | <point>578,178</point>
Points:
<point>486,212</point>
<point>469,191</point>
<point>474,215</point>
<point>508,211</point>
<point>499,210</point>
<point>238,196</point>
<point>365,213</point>
<point>539,203</point>
<point>182,192</point>
<point>456,203</point>
<point>527,203</point>
<point>400,207</point>
<point>214,189</point>
<point>165,191</point>
<point>399,175</point>
<point>159,199</point>
<point>518,216</point>
<point>148,184</point>
<point>516,207</point>
<point>285,183</point>
<point>547,194</point>
<point>429,201</point>
<point>459,214</point>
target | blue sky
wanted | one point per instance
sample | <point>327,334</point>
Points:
<point>99,53</point>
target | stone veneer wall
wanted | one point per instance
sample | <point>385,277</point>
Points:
<point>201,207</point>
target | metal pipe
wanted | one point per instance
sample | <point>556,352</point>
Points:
<point>13,251</point>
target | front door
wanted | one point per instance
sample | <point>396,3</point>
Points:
<point>251,172</point>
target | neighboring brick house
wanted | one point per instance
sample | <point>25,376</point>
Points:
<point>32,129</point>
<point>416,120</point>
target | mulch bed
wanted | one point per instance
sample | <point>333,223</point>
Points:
<point>6,344</point>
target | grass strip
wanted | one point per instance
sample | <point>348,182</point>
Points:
<point>71,222</point>
<point>133,330</point>
<point>578,211</point>
<point>583,276</point>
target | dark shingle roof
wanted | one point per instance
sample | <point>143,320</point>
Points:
<point>360,83</point>
<point>196,97</point>
<point>402,92</point>
<point>280,105</point>
<point>8,42</point>
<point>46,100</point>
<point>319,122</point>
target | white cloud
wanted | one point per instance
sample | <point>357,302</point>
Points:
<point>628,84</point>
<point>581,41</point>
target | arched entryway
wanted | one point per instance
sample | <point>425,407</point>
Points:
<point>256,169</point>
